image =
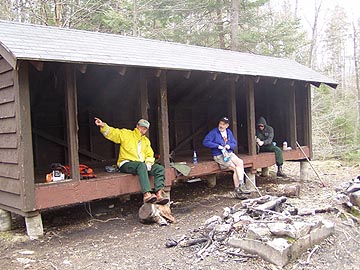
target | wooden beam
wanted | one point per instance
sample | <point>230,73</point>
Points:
<point>39,66</point>
<point>61,142</point>
<point>143,93</point>
<point>292,118</point>
<point>164,142</point>
<point>72,121</point>
<point>307,119</point>
<point>214,76</point>
<point>250,109</point>
<point>122,70</point>
<point>187,75</point>
<point>232,110</point>
<point>25,146</point>
<point>82,68</point>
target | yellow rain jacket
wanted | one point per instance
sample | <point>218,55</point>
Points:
<point>129,144</point>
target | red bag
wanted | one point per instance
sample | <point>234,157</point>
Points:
<point>85,171</point>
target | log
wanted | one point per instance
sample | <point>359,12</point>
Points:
<point>271,204</point>
<point>155,213</point>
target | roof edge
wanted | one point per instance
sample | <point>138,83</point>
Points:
<point>8,55</point>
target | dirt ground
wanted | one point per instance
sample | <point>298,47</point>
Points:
<point>106,234</point>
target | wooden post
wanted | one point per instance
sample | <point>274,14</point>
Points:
<point>25,147</point>
<point>232,110</point>
<point>72,121</point>
<point>144,98</point>
<point>307,119</point>
<point>250,109</point>
<point>164,142</point>
<point>292,118</point>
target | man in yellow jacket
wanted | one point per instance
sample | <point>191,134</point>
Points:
<point>137,157</point>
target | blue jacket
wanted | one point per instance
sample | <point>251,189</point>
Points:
<point>213,139</point>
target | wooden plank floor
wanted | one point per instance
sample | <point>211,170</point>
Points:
<point>106,185</point>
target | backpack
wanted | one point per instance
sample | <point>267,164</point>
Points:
<point>85,171</point>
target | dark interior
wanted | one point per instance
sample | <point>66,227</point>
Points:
<point>195,104</point>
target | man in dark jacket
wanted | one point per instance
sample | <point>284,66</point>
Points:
<point>264,138</point>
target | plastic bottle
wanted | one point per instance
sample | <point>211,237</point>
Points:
<point>225,154</point>
<point>195,160</point>
<point>285,145</point>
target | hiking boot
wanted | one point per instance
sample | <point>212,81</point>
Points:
<point>244,189</point>
<point>149,197</point>
<point>239,194</point>
<point>280,173</point>
<point>160,197</point>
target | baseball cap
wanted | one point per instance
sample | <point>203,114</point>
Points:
<point>224,119</point>
<point>143,123</point>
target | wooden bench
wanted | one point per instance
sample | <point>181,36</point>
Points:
<point>106,185</point>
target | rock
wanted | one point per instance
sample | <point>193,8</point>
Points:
<point>258,232</point>
<point>282,229</point>
<point>355,198</point>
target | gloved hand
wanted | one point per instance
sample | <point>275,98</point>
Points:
<point>148,166</point>
<point>220,147</point>
<point>260,143</point>
<point>227,147</point>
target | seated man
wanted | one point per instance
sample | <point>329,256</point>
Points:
<point>264,138</point>
<point>137,157</point>
<point>221,141</point>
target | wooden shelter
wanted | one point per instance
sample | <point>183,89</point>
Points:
<point>54,81</point>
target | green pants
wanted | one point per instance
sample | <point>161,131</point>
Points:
<point>277,150</point>
<point>140,169</point>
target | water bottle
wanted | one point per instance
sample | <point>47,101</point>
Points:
<point>195,160</point>
<point>285,145</point>
<point>225,154</point>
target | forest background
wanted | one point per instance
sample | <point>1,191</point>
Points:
<point>320,34</point>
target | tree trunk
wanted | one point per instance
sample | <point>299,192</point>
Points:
<point>234,25</point>
<point>355,35</point>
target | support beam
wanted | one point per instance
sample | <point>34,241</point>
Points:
<point>5,220</point>
<point>232,110</point>
<point>72,121</point>
<point>292,118</point>
<point>25,147</point>
<point>252,176</point>
<point>187,75</point>
<point>34,226</point>
<point>250,109</point>
<point>307,119</point>
<point>122,70</point>
<point>265,172</point>
<point>39,66</point>
<point>164,142</point>
<point>143,93</point>
<point>304,170</point>
<point>214,76</point>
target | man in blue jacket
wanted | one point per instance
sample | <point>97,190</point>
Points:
<point>221,141</point>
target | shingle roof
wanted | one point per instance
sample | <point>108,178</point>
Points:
<point>44,43</point>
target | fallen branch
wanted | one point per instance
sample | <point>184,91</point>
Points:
<point>241,254</point>
<point>311,253</point>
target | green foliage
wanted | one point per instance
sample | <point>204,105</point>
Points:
<point>334,123</point>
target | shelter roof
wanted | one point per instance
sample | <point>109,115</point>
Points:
<point>20,41</point>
